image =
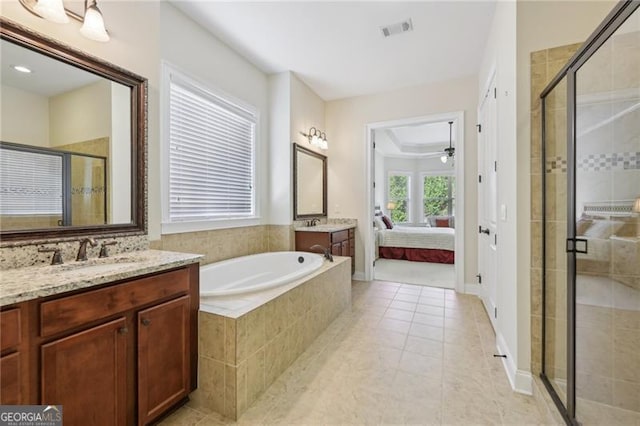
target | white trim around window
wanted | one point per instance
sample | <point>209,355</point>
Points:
<point>421,185</point>
<point>222,191</point>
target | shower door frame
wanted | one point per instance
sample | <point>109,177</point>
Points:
<point>610,25</point>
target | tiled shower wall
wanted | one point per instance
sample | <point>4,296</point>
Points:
<point>607,364</point>
<point>545,64</point>
<point>222,244</point>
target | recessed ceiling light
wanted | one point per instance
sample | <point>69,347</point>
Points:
<point>21,68</point>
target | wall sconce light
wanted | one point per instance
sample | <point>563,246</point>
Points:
<point>316,138</point>
<point>53,10</point>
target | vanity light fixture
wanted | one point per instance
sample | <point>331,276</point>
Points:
<point>316,138</point>
<point>53,10</point>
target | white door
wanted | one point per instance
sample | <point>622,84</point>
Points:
<point>488,201</point>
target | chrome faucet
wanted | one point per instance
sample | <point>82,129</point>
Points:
<point>315,221</point>
<point>325,251</point>
<point>82,250</point>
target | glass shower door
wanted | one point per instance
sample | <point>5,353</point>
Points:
<point>607,185</point>
<point>554,236</point>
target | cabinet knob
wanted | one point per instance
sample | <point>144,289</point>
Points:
<point>146,321</point>
<point>123,330</point>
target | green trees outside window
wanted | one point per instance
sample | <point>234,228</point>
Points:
<point>399,191</point>
<point>439,195</point>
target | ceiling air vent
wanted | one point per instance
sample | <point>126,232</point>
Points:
<point>400,27</point>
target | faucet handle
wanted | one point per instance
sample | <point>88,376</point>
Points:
<point>57,255</point>
<point>103,248</point>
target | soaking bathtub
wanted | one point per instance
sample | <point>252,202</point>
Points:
<point>248,274</point>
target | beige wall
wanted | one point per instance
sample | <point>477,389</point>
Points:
<point>346,122</point>
<point>24,117</point>
<point>80,115</point>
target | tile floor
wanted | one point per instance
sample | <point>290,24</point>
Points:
<point>403,354</point>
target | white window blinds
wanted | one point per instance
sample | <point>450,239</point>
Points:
<point>30,183</point>
<point>211,156</point>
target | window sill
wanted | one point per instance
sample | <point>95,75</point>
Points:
<point>208,225</point>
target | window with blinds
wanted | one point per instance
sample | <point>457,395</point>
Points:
<point>30,183</point>
<point>211,155</point>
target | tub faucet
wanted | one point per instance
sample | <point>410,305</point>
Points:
<point>82,250</point>
<point>325,251</point>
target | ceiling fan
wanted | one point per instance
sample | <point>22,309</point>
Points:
<point>449,152</point>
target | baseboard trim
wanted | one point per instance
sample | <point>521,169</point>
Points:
<point>358,276</point>
<point>521,381</point>
<point>472,288</point>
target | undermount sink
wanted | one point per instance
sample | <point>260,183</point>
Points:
<point>100,265</point>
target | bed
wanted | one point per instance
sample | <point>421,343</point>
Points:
<point>611,233</point>
<point>417,244</point>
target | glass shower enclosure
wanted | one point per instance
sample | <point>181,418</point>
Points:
<point>591,227</point>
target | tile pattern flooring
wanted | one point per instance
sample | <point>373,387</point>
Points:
<point>403,354</point>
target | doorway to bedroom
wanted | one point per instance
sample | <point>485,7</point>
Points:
<point>415,190</point>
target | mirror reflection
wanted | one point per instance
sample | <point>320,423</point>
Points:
<point>65,154</point>
<point>310,173</point>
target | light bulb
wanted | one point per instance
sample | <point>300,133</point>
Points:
<point>93,27</point>
<point>444,159</point>
<point>52,10</point>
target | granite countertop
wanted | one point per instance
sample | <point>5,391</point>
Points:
<point>21,284</point>
<point>326,228</point>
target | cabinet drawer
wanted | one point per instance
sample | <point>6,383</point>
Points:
<point>339,236</point>
<point>9,329</point>
<point>73,311</point>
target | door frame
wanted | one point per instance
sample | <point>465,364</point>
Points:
<point>458,118</point>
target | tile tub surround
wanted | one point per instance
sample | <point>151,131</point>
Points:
<point>21,284</point>
<point>242,353</point>
<point>223,244</point>
<point>23,254</point>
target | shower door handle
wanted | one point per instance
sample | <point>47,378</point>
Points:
<point>574,245</point>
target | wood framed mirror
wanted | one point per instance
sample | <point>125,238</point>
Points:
<point>309,183</point>
<point>73,142</point>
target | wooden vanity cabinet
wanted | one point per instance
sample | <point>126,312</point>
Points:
<point>341,243</point>
<point>86,372</point>
<point>120,354</point>
<point>163,357</point>
<point>11,358</point>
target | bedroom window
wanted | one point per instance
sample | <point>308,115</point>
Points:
<point>211,141</point>
<point>399,193</point>
<point>438,195</point>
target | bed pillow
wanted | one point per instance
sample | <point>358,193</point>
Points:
<point>603,229</point>
<point>442,223</point>
<point>387,221</point>
<point>379,222</point>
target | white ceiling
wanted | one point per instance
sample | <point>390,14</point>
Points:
<point>421,140</point>
<point>49,77</point>
<point>338,48</point>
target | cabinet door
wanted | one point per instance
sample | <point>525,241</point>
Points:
<point>345,248</point>
<point>87,374</point>
<point>10,389</point>
<point>163,357</point>
<point>336,249</point>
